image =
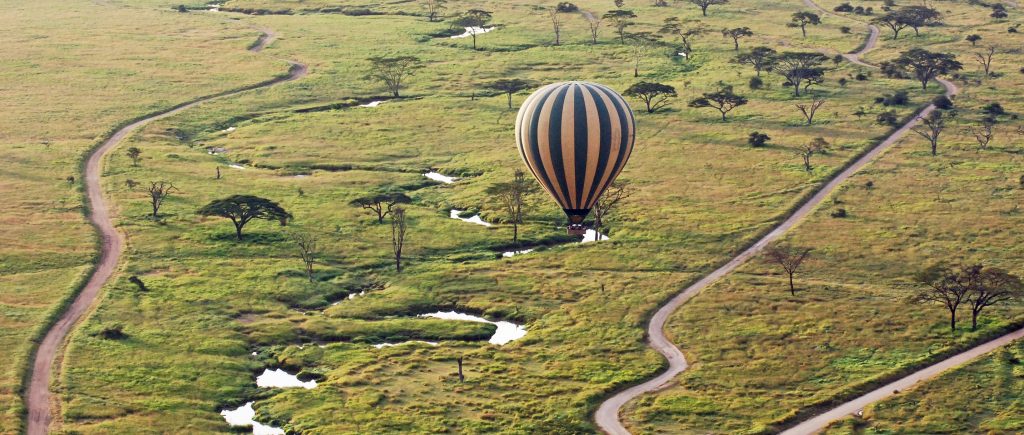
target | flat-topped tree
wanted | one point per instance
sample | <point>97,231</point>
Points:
<point>654,95</point>
<point>802,19</point>
<point>930,128</point>
<point>393,71</point>
<point>242,209</point>
<point>705,4</point>
<point>685,31</point>
<point>922,65</point>
<point>894,21</point>
<point>434,8</point>
<point>381,204</point>
<point>620,20</point>
<point>946,286</point>
<point>736,34</point>
<point>992,286</point>
<point>799,68</point>
<point>509,87</point>
<point>760,58</point>
<point>919,16</point>
<point>473,20</point>
<point>640,44</point>
<point>723,100</point>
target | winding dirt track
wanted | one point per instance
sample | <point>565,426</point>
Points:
<point>607,415</point>
<point>37,396</point>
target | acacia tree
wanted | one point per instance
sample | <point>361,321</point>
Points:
<point>640,44</point>
<point>809,109</point>
<point>509,87</point>
<point>973,38</point>
<point>381,204</point>
<point>991,286</point>
<point>309,250</point>
<point>736,34</point>
<point>802,19</point>
<point>556,24</point>
<point>242,209</point>
<point>595,26</point>
<point>894,21</point>
<point>398,231</point>
<point>918,16</point>
<point>674,27</point>
<point>513,195</point>
<point>759,58</point>
<point>473,20</point>
<point>931,127</point>
<point>983,133</point>
<point>393,71</point>
<point>723,100</point>
<point>434,8</point>
<point>654,95</point>
<point>946,286</point>
<point>789,258</point>
<point>135,154</point>
<point>618,191</point>
<point>800,67</point>
<point>922,65</point>
<point>158,192</point>
<point>705,4</point>
<point>985,59</point>
<point>817,145</point>
<point>620,20</point>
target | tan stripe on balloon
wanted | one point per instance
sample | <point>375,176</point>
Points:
<point>568,143</point>
<point>545,148</point>
<point>593,143</point>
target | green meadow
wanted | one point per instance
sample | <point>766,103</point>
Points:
<point>219,311</point>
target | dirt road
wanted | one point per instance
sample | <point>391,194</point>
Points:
<point>37,396</point>
<point>607,415</point>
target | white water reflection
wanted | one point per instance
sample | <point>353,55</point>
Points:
<point>243,416</point>
<point>437,176</point>
<point>593,236</point>
<point>506,332</point>
<point>282,379</point>
<point>383,345</point>
<point>371,104</point>
<point>234,166</point>
<point>470,31</point>
<point>509,254</point>
<point>476,219</point>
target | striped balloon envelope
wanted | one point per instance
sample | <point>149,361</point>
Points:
<point>575,137</point>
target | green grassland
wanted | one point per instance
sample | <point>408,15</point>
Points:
<point>72,71</point>
<point>703,195</point>
<point>762,355</point>
<point>984,396</point>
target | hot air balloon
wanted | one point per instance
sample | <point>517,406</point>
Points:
<point>575,137</point>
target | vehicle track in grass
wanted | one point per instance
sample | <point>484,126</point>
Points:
<point>37,397</point>
<point>607,414</point>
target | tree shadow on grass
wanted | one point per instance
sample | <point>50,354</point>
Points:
<point>250,237</point>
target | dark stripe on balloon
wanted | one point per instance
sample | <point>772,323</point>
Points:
<point>605,148</point>
<point>523,137</point>
<point>580,137</point>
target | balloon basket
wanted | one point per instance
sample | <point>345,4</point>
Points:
<point>577,230</point>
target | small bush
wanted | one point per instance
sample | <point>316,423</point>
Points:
<point>943,102</point>
<point>839,213</point>
<point>845,30</point>
<point>138,283</point>
<point>887,118</point>
<point>861,77</point>
<point>112,332</point>
<point>900,98</point>
<point>993,109</point>
<point>567,7</point>
<point>758,139</point>
<point>843,82</point>
<point>845,7</point>
<point>756,83</point>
